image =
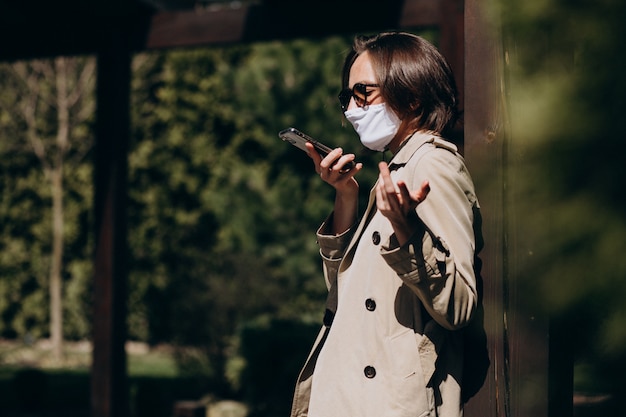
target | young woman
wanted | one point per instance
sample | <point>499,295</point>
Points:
<point>401,277</point>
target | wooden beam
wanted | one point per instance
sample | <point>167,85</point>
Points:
<point>284,20</point>
<point>29,32</point>
<point>197,27</point>
<point>66,27</point>
<point>421,13</point>
<point>109,389</point>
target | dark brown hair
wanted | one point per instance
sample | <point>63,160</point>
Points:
<point>415,79</point>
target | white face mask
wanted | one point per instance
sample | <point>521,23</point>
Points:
<point>376,125</point>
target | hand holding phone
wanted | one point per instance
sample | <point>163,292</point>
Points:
<point>299,140</point>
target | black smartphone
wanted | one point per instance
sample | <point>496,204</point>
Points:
<point>299,139</point>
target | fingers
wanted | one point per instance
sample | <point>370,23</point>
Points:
<point>331,168</point>
<point>404,191</point>
<point>397,197</point>
<point>335,174</point>
<point>387,195</point>
<point>386,182</point>
<point>385,177</point>
<point>314,155</point>
<point>335,160</point>
<point>423,191</point>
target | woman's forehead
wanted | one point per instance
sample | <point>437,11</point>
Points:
<point>362,71</point>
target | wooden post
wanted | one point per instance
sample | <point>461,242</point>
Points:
<point>451,42</point>
<point>109,388</point>
<point>523,374</point>
<point>485,154</point>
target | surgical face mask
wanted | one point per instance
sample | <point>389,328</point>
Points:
<point>376,125</point>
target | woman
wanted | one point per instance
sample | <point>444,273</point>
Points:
<point>402,280</point>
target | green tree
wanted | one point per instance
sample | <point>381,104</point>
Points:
<point>46,110</point>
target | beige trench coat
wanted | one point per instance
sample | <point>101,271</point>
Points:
<point>392,349</point>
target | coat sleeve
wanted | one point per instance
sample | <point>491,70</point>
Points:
<point>332,249</point>
<point>437,263</point>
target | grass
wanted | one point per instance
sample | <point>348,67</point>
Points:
<point>142,361</point>
<point>29,377</point>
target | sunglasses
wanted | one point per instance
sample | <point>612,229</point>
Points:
<point>358,91</point>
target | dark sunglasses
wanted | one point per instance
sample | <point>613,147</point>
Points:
<point>358,91</point>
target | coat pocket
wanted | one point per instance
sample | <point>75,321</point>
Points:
<point>407,388</point>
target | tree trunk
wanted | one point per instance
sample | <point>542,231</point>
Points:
<point>56,281</point>
<point>56,180</point>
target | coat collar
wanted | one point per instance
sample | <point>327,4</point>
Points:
<point>413,143</point>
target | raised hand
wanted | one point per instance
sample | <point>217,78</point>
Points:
<point>398,203</point>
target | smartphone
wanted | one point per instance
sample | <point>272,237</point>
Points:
<point>299,139</point>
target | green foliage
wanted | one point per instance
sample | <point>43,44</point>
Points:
<point>222,212</point>
<point>567,94</point>
<point>28,122</point>
<point>23,270</point>
<point>216,196</point>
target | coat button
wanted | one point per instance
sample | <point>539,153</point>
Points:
<point>376,238</point>
<point>370,304</point>
<point>370,372</point>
